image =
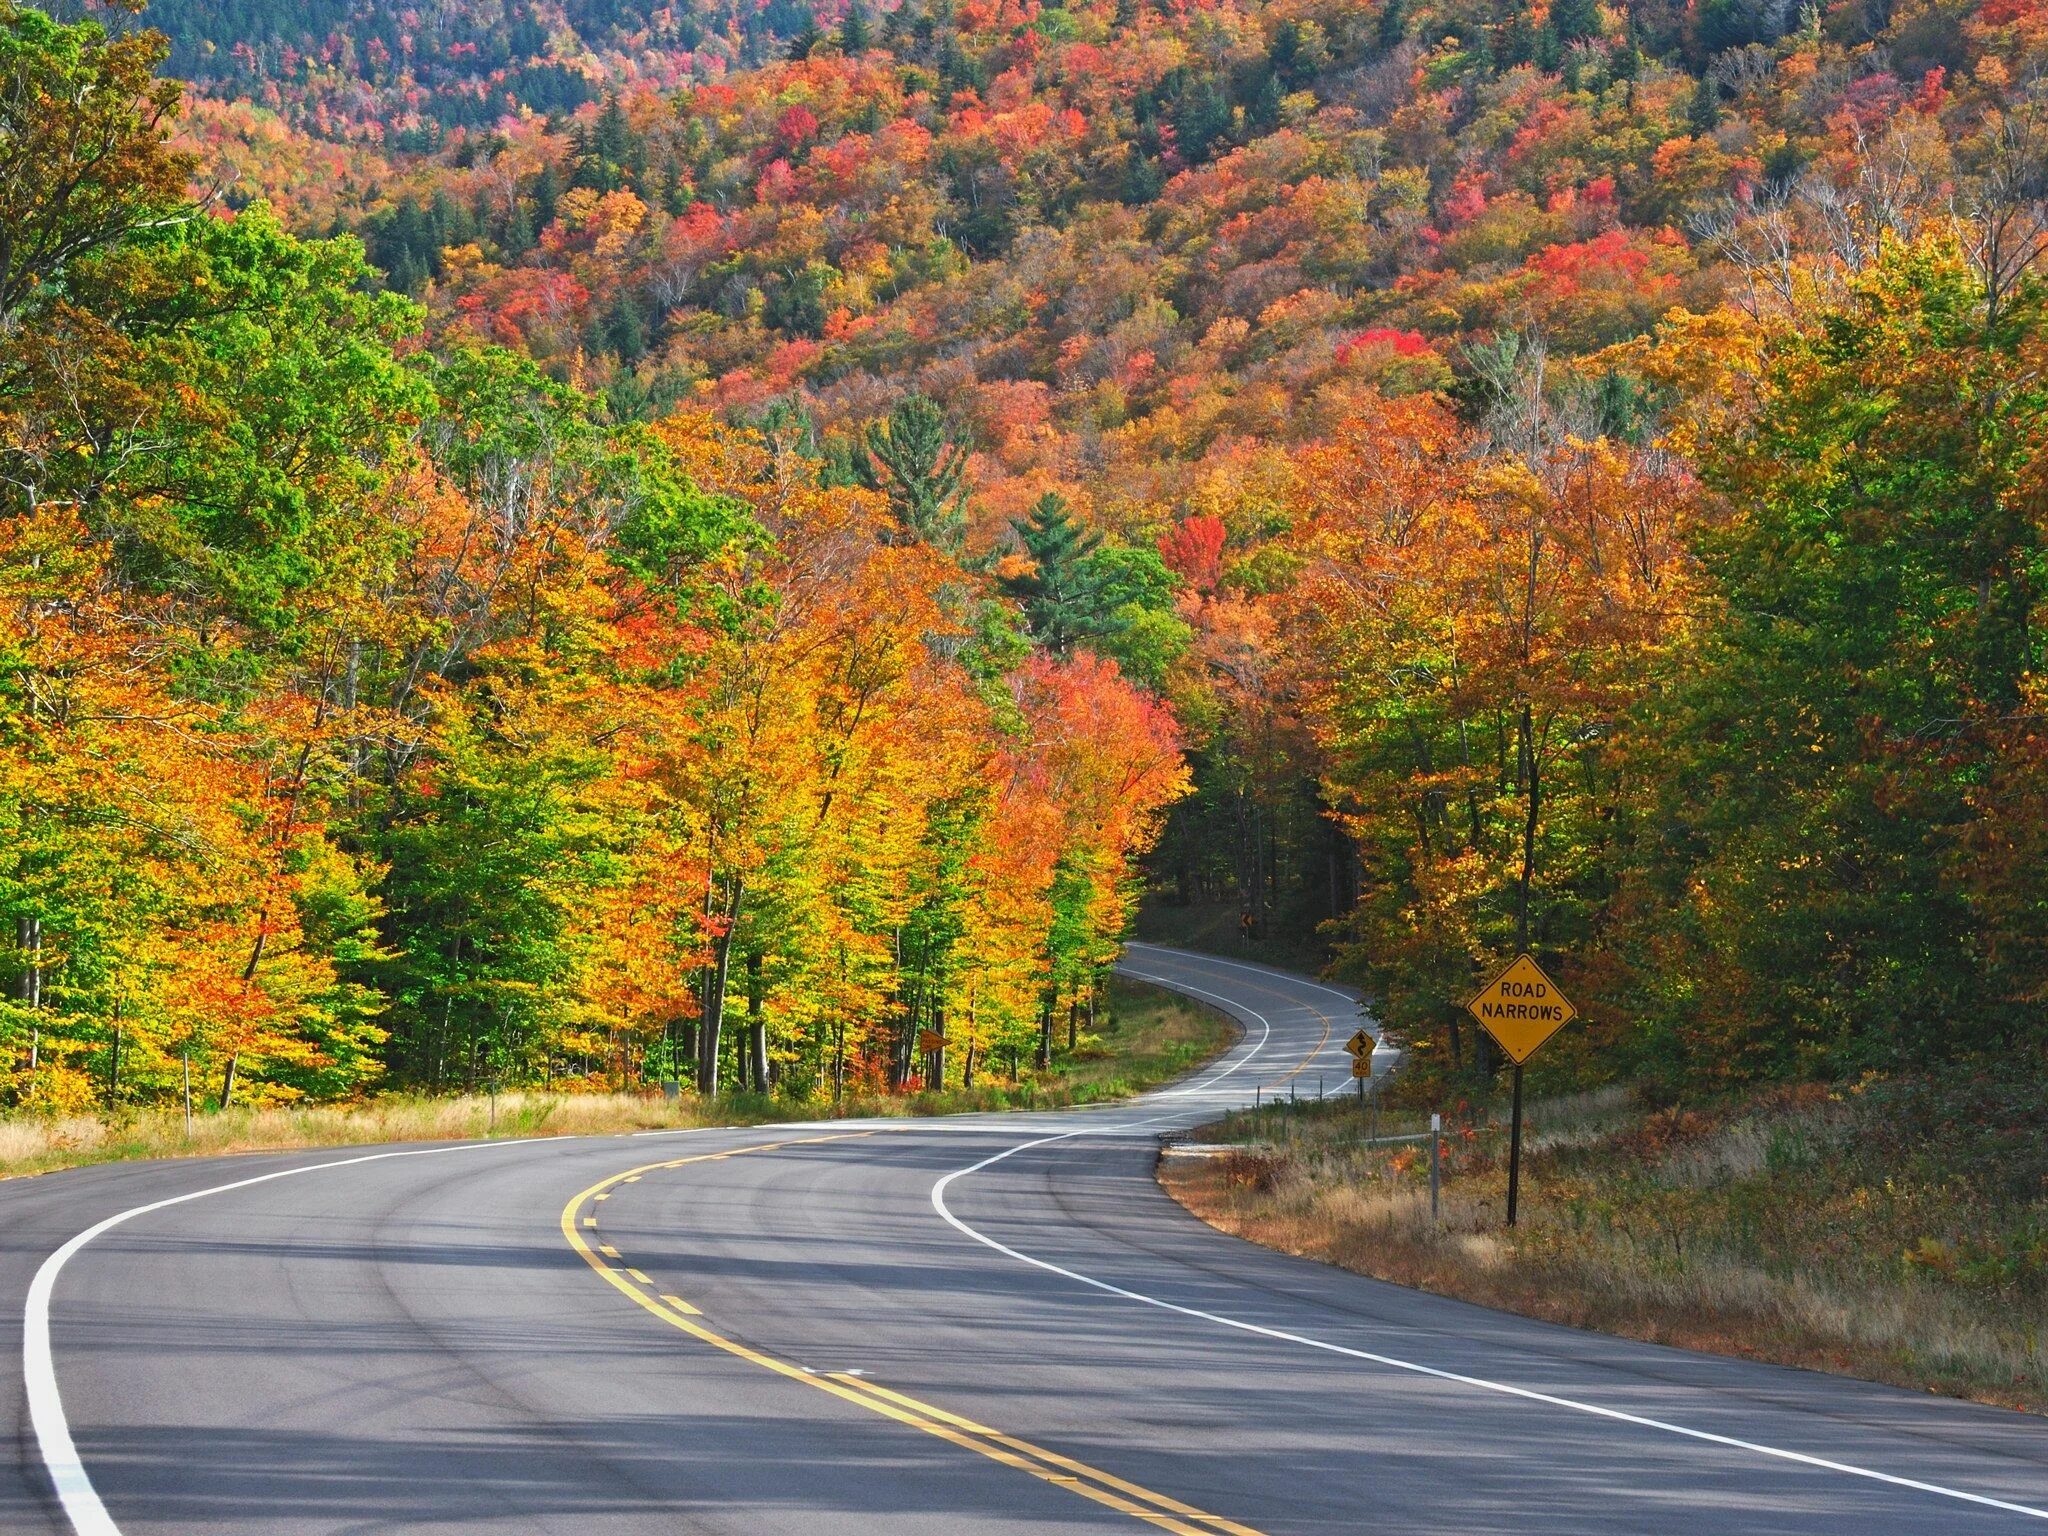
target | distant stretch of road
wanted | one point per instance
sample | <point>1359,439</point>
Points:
<point>982,1324</point>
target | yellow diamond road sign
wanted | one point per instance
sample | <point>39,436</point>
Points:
<point>1522,1008</point>
<point>1360,1044</point>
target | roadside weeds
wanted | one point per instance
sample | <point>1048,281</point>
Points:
<point>1149,1037</point>
<point>1808,1227</point>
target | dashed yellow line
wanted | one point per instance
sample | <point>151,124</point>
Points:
<point>1061,1471</point>
<point>1321,1040</point>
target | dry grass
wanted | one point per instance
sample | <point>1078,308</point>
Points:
<point>1147,1037</point>
<point>34,1145</point>
<point>1792,1229</point>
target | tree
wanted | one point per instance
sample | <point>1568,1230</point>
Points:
<point>914,460</point>
<point>1061,602</point>
<point>83,154</point>
<point>1469,635</point>
<point>808,37</point>
<point>1877,586</point>
<point>856,30</point>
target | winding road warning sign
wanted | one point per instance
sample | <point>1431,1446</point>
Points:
<point>1521,1008</point>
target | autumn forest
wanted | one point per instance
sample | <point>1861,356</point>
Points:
<point>582,543</point>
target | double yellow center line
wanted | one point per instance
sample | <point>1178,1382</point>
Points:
<point>580,1228</point>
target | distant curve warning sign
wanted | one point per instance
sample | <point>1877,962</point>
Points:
<point>1521,1008</point>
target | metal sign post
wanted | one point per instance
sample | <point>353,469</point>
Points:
<point>1521,1008</point>
<point>1515,1149</point>
<point>1436,1161</point>
<point>1360,1046</point>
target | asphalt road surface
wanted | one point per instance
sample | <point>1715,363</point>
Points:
<point>984,1324</point>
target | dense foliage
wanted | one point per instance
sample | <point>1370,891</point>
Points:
<point>762,527</point>
<point>371,708</point>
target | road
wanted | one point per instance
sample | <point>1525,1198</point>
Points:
<point>981,1324</point>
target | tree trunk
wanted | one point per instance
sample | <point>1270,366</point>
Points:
<point>973,1035</point>
<point>711,1033</point>
<point>29,933</point>
<point>757,1024</point>
<point>1045,1008</point>
<point>227,1079</point>
<point>838,1061</point>
<point>1534,791</point>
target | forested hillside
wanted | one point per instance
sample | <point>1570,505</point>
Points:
<point>377,709</point>
<point>1568,476</point>
<point>407,75</point>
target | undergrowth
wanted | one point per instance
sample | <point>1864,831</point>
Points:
<point>1894,1228</point>
<point>1145,1038</point>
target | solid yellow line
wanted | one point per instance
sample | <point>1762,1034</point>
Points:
<point>1136,1490</point>
<point>678,1314</point>
<point>1321,1041</point>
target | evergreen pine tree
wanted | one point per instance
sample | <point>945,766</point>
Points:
<point>519,236</point>
<point>1057,595</point>
<point>613,140</point>
<point>1704,115</point>
<point>1517,42</point>
<point>1575,19</point>
<point>917,464</point>
<point>856,33</point>
<point>547,192</point>
<point>1393,24</point>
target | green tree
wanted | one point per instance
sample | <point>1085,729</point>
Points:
<point>914,460</point>
<point>83,159</point>
<point>856,31</point>
<point>1059,595</point>
<point>1879,579</point>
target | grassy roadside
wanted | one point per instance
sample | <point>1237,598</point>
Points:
<point>1895,1230</point>
<point>1145,1037</point>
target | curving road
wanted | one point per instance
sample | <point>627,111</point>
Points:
<point>983,1324</point>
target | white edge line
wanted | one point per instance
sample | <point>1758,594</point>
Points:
<point>81,1501</point>
<point>1503,1388</point>
<point>1174,984</point>
<point>1265,1034</point>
